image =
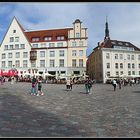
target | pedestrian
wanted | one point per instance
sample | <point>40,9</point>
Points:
<point>120,83</point>
<point>34,84</point>
<point>88,85</point>
<point>12,80</point>
<point>39,87</point>
<point>114,83</point>
<point>71,83</point>
<point>68,84</point>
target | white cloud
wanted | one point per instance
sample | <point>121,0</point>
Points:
<point>123,18</point>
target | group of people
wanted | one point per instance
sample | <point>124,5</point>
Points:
<point>88,85</point>
<point>124,82</point>
<point>36,86</point>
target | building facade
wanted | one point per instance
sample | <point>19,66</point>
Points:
<point>56,51</point>
<point>113,58</point>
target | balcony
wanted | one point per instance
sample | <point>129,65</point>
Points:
<point>33,55</point>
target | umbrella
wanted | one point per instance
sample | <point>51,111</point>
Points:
<point>47,74</point>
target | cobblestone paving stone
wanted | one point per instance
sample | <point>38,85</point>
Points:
<point>61,113</point>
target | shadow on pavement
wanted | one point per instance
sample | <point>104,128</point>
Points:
<point>18,119</point>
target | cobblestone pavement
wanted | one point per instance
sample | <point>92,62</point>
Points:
<point>61,113</point>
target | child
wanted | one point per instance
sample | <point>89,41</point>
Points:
<point>39,87</point>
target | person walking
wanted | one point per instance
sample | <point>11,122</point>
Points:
<point>114,83</point>
<point>68,84</point>
<point>71,83</point>
<point>88,85</point>
<point>39,87</point>
<point>34,84</point>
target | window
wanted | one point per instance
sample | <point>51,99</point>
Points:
<point>25,63</point>
<point>52,54</point>
<point>61,63</point>
<point>81,43</point>
<point>60,37</point>
<point>133,65</point>
<point>133,72</point>
<point>107,56</point>
<point>51,45</point>
<point>108,73</point>
<point>11,39</point>
<point>47,38</point>
<point>108,65</point>
<point>17,54</point>
<point>77,34</point>
<point>116,56</point>
<point>16,46</point>
<point>52,63</point>
<point>25,54</point>
<point>34,39</point>
<point>121,65</point>
<point>138,57</point>
<point>5,47</point>
<point>43,44</point>
<point>61,53</point>
<point>42,53</point>
<point>128,57</point>
<point>73,62</point>
<point>132,57</point>
<point>9,55</point>
<point>3,56</point>
<point>80,62</point>
<point>121,56</point>
<point>42,63</point>
<point>10,64</point>
<point>17,63</point>
<point>33,64</point>
<point>121,72</point>
<point>35,46</point>
<point>129,72</point>
<point>116,65</point>
<point>81,52</point>
<point>14,31</point>
<point>16,39</point>
<point>117,73</point>
<point>73,52</point>
<point>22,46</point>
<point>139,65</point>
<point>59,44</point>
<point>11,47</point>
<point>3,64</point>
<point>129,66</point>
<point>74,44</point>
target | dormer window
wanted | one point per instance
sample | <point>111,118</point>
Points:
<point>60,37</point>
<point>120,43</point>
<point>47,38</point>
<point>34,39</point>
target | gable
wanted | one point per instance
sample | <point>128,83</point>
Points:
<point>14,31</point>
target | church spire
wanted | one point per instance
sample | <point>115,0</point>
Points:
<point>106,30</point>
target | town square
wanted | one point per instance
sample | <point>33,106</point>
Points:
<point>69,69</point>
<point>62,113</point>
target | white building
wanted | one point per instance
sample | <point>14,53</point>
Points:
<point>56,51</point>
<point>113,58</point>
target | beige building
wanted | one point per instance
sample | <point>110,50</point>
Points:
<point>59,51</point>
<point>113,58</point>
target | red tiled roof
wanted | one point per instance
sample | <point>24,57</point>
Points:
<point>47,33</point>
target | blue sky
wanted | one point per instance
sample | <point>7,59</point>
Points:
<point>123,18</point>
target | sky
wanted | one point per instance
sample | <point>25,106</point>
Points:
<point>123,18</point>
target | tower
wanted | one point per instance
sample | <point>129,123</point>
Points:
<point>106,31</point>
